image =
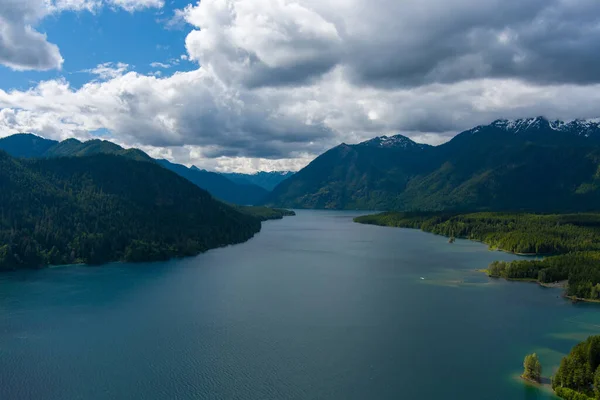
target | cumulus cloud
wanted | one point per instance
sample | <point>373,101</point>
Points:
<point>109,70</point>
<point>279,81</point>
<point>198,119</point>
<point>261,42</point>
<point>24,48</point>
<point>408,43</point>
<point>21,46</point>
<point>191,108</point>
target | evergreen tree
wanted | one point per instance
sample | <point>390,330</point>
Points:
<point>532,368</point>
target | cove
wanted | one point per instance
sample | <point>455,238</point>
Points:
<point>313,307</point>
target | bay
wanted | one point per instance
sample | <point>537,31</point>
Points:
<point>313,307</point>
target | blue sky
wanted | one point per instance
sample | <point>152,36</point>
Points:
<point>88,39</point>
<point>270,84</point>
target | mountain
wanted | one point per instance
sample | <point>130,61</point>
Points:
<point>529,164</point>
<point>26,145</point>
<point>105,208</point>
<point>75,148</point>
<point>362,176</point>
<point>32,146</point>
<point>266,180</point>
<point>218,185</point>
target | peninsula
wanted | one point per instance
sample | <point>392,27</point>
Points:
<point>569,243</point>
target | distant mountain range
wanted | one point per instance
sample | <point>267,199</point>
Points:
<point>218,185</point>
<point>529,164</point>
<point>266,180</point>
<point>32,146</point>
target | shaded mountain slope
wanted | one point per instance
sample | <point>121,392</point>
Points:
<point>107,208</point>
<point>531,164</point>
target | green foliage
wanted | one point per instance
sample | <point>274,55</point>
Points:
<point>578,376</point>
<point>513,232</point>
<point>570,394</point>
<point>105,208</point>
<point>264,213</point>
<point>532,368</point>
<point>572,239</point>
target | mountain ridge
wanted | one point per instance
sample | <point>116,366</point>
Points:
<point>266,180</point>
<point>28,145</point>
<point>506,165</point>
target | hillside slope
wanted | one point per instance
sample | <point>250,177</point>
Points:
<point>32,146</point>
<point>105,208</point>
<point>531,164</point>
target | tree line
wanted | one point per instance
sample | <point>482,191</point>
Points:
<point>569,242</point>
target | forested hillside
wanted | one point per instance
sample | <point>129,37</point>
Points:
<point>104,208</point>
<point>524,165</point>
<point>578,377</point>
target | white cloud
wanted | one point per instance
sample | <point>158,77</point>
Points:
<point>197,119</point>
<point>159,65</point>
<point>108,70</point>
<point>136,5</point>
<point>259,41</point>
<point>22,47</point>
<point>280,81</point>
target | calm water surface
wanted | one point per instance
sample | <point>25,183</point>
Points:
<point>314,307</point>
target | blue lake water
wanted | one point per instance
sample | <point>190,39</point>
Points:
<point>313,307</point>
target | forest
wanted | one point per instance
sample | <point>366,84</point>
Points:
<point>264,213</point>
<point>103,208</point>
<point>569,242</point>
<point>578,377</point>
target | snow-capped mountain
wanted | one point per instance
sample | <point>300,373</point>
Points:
<point>582,128</point>
<point>395,142</point>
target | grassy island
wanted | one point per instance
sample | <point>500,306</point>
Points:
<point>570,243</point>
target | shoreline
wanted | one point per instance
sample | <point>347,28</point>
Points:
<point>554,285</point>
<point>490,248</point>
<point>284,213</point>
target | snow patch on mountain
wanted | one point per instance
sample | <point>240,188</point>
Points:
<point>392,142</point>
<point>577,127</point>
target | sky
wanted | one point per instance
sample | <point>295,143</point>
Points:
<point>247,85</point>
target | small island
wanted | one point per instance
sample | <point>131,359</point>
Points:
<point>569,244</point>
<point>532,368</point>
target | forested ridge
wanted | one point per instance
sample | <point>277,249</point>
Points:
<point>103,208</point>
<point>264,213</point>
<point>506,165</point>
<point>31,146</point>
<point>570,242</point>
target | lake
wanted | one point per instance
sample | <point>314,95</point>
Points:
<point>313,307</point>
